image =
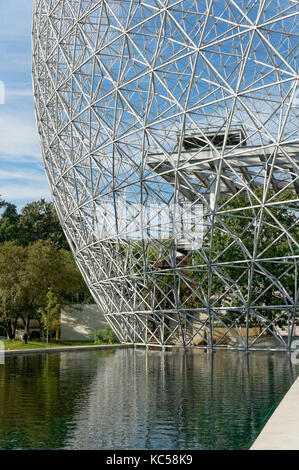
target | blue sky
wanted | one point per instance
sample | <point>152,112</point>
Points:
<point>22,177</point>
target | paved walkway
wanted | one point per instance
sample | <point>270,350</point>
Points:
<point>281,432</point>
<point>65,348</point>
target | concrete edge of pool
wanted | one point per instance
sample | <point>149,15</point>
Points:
<point>58,349</point>
<point>281,432</point>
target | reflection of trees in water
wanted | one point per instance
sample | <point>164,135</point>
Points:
<point>38,398</point>
<point>133,399</point>
<point>201,400</point>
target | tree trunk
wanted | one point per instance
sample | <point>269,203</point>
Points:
<point>10,331</point>
<point>27,325</point>
<point>15,323</point>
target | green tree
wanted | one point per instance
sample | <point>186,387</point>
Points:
<point>81,294</point>
<point>9,223</point>
<point>26,274</point>
<point>105,336</point>
<point>39,221</point>
<point>48,267</point>
<point>50,315</point>
<point>12,285</point>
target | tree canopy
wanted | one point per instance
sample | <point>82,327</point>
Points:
<point>38,220</point>
<point>12,285</point>
<point>27,274</point>
<point>34,257</point>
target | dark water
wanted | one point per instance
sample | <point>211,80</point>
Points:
<point>136,400</point>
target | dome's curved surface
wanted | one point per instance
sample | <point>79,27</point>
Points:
<point>170,138</point>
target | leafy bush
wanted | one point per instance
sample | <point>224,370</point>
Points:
<point>105,336</point>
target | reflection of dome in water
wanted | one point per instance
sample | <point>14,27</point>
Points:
<point>170,139</point>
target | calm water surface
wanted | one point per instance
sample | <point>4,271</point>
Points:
<point>128,399</point>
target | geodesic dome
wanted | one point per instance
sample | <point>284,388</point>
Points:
<point>170,138</point>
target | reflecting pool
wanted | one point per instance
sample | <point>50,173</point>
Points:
<point>126,399</point>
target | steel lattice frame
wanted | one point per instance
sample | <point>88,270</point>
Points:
<point>120,86</point>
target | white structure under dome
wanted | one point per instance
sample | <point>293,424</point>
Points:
<point>170,138</point>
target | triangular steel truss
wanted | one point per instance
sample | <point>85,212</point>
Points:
<point>184,106</point>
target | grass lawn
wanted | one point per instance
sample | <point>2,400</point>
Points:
<point>36,343</point>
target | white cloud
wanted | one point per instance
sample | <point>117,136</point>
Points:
<point>22,175</point>
<point>19,92</point>
<point>18,137</point>
<point>33,192</point>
